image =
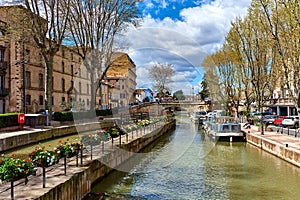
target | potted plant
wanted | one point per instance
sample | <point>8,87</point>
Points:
<point>91,139</point>
<point>13,169</point>
<point>65,150</point>
<point>44,158</point>
<point>113,132</point>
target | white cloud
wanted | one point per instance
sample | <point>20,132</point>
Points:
<point>184,43</point>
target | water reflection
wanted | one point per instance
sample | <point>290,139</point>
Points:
<point>177,168</point>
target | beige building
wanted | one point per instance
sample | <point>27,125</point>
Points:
<point>122,73</point>
<point>22,76</point>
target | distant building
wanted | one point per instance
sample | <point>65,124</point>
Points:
<point>122,72</point>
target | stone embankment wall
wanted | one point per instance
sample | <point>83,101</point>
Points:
<point>284,152</point>
<point>22,138</point>
<point>80,183</point>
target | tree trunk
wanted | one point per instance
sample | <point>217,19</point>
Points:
<point>93,93</point>
<point>48,87</point>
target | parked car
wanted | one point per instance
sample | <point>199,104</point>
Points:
<point>259,115</point>
<point>291,121</point>
<point>278,120</point>
<point>269,119</point>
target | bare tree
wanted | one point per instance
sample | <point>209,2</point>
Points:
<point>93,26</point>
<point>48,26</point>
<point>162,75</point>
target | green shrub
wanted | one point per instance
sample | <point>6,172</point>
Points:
<point>103,112</point>
<point>8,119</point>
<point>246,113</point>
<point>70,116</point>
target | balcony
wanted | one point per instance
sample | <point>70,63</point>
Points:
<point>4,92</point>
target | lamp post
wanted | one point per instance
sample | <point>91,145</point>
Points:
<point>192,93</point>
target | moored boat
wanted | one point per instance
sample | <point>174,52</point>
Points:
<point>224,130</point>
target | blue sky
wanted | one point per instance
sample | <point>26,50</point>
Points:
<point>181,33</point>
<point>161,9</point>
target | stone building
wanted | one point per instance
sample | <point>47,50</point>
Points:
<point>122,73</point>
<point>22,74</point>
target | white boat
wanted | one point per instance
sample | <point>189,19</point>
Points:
<point>224,131</point>
<point>198,117</point>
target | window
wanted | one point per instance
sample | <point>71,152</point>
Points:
<point>52,100</point>
<point>63,99</point>
<point>27,79</point>
<point>27,100</point>
<point>41,81</point>
<point>41,100</point>
<point>27,56</point>
<point>79,87</point>
<point>2,83</point>
<point>88,102</point>
<point>87,89</point>
<point>62,85</point>
<point>52,83</point>
<point>1,55</point>
<point>40,59</point>
<point>72,57</point>
<point>72,83</point>
<point>63,67</point>
<point>72,70</point>
<point>63,53</point>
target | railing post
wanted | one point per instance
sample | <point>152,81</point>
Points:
<point>65,165</point>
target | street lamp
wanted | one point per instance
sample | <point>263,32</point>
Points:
<point>192,93</point>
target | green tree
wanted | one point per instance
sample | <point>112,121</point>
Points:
<point>179,95</point>
<point>204,93</point>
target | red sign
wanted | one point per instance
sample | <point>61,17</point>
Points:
<point>21,118</point>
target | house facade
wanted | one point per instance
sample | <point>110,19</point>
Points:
<point>22,75</point>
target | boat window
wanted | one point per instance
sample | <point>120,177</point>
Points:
<point>235,128</point>
<point>225,128</point>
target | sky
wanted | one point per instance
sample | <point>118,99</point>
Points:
<point>180,33</point>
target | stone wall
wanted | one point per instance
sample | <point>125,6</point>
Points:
<point>32,137</point>
<point>79,185</point>
<point>284,152</point>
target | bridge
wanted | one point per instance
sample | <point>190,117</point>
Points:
<point>157,108</point>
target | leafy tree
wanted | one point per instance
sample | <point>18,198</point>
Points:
<point>179,95</point>
<point>204,93</point>
<point>282,22</point>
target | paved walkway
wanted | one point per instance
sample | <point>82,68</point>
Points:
<point>272,134</point>
<point>55,174</point>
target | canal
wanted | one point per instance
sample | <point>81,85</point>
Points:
<point>188,165</point>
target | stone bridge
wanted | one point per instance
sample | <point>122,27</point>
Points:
<point>147,110</point>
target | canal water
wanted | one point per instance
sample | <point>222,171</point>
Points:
<point>188,165</point>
